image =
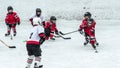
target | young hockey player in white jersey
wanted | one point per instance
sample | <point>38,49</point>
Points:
<point>38,14</point>
<point>36,38</point>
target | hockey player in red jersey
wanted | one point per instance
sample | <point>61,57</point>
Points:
<point>11,20</point>
<point>36,38</point>
<point>88,25</point>
<point>50,28</point>
<point>38,14</point>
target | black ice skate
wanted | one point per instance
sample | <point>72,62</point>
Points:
<point>35,66</point>
<point>52,38</point>
<point>95,48</point>
<point>7,34</point>
<point>14,34</point>
<point>97,44</point>
<point>85,43</point>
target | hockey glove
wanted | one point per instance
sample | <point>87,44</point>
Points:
<point>18,23</point>
<point>43,23</point>
<point>6,23</point>
<point>47,31</point>
<point>93,31</point>
<point>56,32</point>
<point>42,38</point>
<point>80,30</point>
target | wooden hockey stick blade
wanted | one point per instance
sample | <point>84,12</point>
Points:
<point>12,46</point>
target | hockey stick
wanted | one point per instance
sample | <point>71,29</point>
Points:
<point>63,37</point>
<point>67,33</point>
<point>11,37</point>
<point>7,45</point>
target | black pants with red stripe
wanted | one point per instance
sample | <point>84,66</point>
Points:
<point>33,49</point>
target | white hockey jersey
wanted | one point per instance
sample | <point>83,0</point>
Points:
<point>41,17</point>
<point>34,35</point>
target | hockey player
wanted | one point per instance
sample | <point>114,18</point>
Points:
<point>36,38</point>
<point>50,28</point>
<point>11,20</point>
<point>88,25</point>
<point>38,13</point>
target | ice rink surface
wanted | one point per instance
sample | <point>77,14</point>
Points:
<point>66,53</point>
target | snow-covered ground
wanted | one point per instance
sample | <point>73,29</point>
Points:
<point>65,53</point>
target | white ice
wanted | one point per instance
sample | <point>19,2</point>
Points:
<point>65,53</point>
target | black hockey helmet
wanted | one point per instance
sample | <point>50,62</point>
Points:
<point>87,14</point>
<point>38,10</point>
<point>53,18</point>
<point>9,8</point>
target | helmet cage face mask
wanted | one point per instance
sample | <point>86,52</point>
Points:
<point>86,17</point>
<point>10,11</point>
<point>90,22</point>
<point>53,21</point>
<point>38,13</point>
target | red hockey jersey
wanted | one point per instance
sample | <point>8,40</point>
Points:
<point>87,28</point>
<point>12,18</point>
<point>52,26</point>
